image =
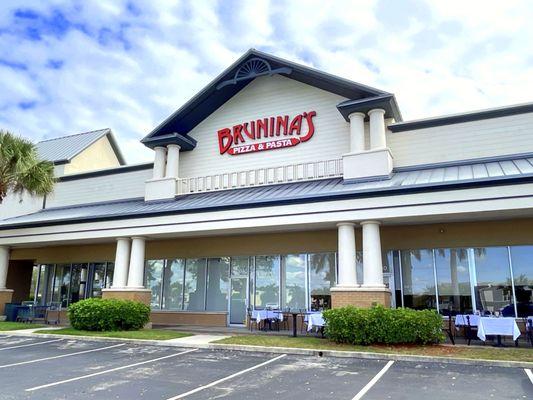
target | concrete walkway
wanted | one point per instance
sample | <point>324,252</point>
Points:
<point>196,340</point>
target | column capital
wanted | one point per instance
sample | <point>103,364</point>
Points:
<point>159,148</point>
<point>173,145</point>
<point>357,114</point>
<point>370,222</point>
<point>376,111</point>
<point>122,238</point>
<point>346,224</point>
<point>138,237</point>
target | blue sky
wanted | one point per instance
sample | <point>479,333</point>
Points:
<point>73,66</point>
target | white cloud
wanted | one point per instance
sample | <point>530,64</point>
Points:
<point>128,64</point>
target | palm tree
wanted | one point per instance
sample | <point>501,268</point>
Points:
<point>21,170</point>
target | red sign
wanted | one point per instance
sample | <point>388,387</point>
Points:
<point>247,137</point>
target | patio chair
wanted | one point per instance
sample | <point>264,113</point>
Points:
<point>39,314</point>
<point>251,319</point>
<point>25,312</point>
<point>449,330</point>
<point>53,313</point>
<point>303,326</point>
<point>529,330</point>
<point>284,324</point>
<point>470,331</point>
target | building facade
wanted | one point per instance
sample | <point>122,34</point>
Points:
<point>282,186</point>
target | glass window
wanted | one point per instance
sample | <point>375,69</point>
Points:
<point>194,290</point>
<point>44,292</point>
<point>267,281</point>
<point>239,266</point>
<point>493,276</point>
<point>218,284</point>
<point>78,289</point>
<point>293,281</point>
<point>321,279</point>
<point>62,284</point>
<point>152,277</point>
<point>109,272</point>
<point>418,279</point>
<point>173,285</point>
<point>398,298</point>
<point>453,280</point>
<point>36,271</point>
<point>359,278</point>
<point>98,279</point>
<point>522,260</point>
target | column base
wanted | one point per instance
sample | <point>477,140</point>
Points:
<point>140,295</point>
<point>6,295</point>
<point>360,297</point>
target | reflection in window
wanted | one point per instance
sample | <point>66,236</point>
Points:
<point>493,275</point>
<point>321,279</point>
<point>293,281</point>
<point>98,279</point>
<point>109,272</point>
<point>152,277</point>
<point>267,281</point>
<point>173,285</point>
<point>453,280</point>
<point>194,290</point>
<point>218,284</point>
<point>359,271</point>
<point>62,284</point>
<point>418,279</point>
<point>522,260</point>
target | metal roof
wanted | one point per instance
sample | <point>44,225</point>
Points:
<point>63,149</point>
<point>422,179</point>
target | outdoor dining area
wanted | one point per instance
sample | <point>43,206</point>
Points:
<point>32,312</point>
<point>293,321</point>
<point>489,328</point>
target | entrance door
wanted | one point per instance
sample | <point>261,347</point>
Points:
<point>388,280</point>
<point>237,310</point>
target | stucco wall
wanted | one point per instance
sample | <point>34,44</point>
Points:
<point>489,233</point>
<point>99,155</point>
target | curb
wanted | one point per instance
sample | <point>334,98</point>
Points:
<point>291,350</point>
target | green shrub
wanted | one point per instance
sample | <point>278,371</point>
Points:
<point>383,325</point>
<point>108,315</point>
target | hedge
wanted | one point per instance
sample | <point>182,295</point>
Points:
<point>108,315</point>
<point>378,324</point>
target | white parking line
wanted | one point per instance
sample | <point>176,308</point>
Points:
<point>30,344</point>
<point>62,356</point>
<point>181,396</point>
<point>529,374</point>
<point>107,371</point>
<point>373,381</point>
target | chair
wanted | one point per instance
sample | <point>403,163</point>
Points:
<point>303,326</point>
<point>529,330</point>
<point>470,331</point>
<point>25,312</point>
<point>54,309</point>
<point>283,324</point>
<point>39,313</point>
<point>450,329</point>
<point>251,319</point>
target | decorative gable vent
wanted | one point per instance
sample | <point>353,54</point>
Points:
<point>253,68</point>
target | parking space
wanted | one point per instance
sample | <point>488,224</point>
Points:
<point>80,369</point>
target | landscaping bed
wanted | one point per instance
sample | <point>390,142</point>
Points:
<point>471,352</point>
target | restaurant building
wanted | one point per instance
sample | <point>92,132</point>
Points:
<point>278,185</point>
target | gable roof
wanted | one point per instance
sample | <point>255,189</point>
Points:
<point>236,77</point>
<point>63,149</point>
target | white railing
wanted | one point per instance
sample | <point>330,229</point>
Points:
<point>261,176</point>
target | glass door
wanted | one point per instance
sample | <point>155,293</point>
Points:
<point>238,300</point>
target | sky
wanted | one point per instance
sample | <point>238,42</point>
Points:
<point>73,66</point>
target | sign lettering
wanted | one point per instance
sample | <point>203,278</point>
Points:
<point>281,131</point>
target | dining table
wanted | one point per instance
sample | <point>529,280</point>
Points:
<point>497,326</point>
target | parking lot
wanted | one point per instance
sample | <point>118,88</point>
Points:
<point>39,368</point>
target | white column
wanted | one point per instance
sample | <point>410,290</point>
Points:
<point>122,263</point>
<point>357,132</point>
<point>346,252</point>
<point>4,265</point>
<point>372,263</point>
<point>159,162</point>
<point>136,273</point>
<point>173,160</point>
<point>377,129</point>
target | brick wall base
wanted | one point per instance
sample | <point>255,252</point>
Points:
<point>360,297</point>
<point>200,318</point>
<point>5,297</point>
<point>141,295</point>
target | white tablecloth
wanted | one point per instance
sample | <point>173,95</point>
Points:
<point>460,320</point>
<point>497,326</point>
<point>261,315</point>
<point>315,320</point>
